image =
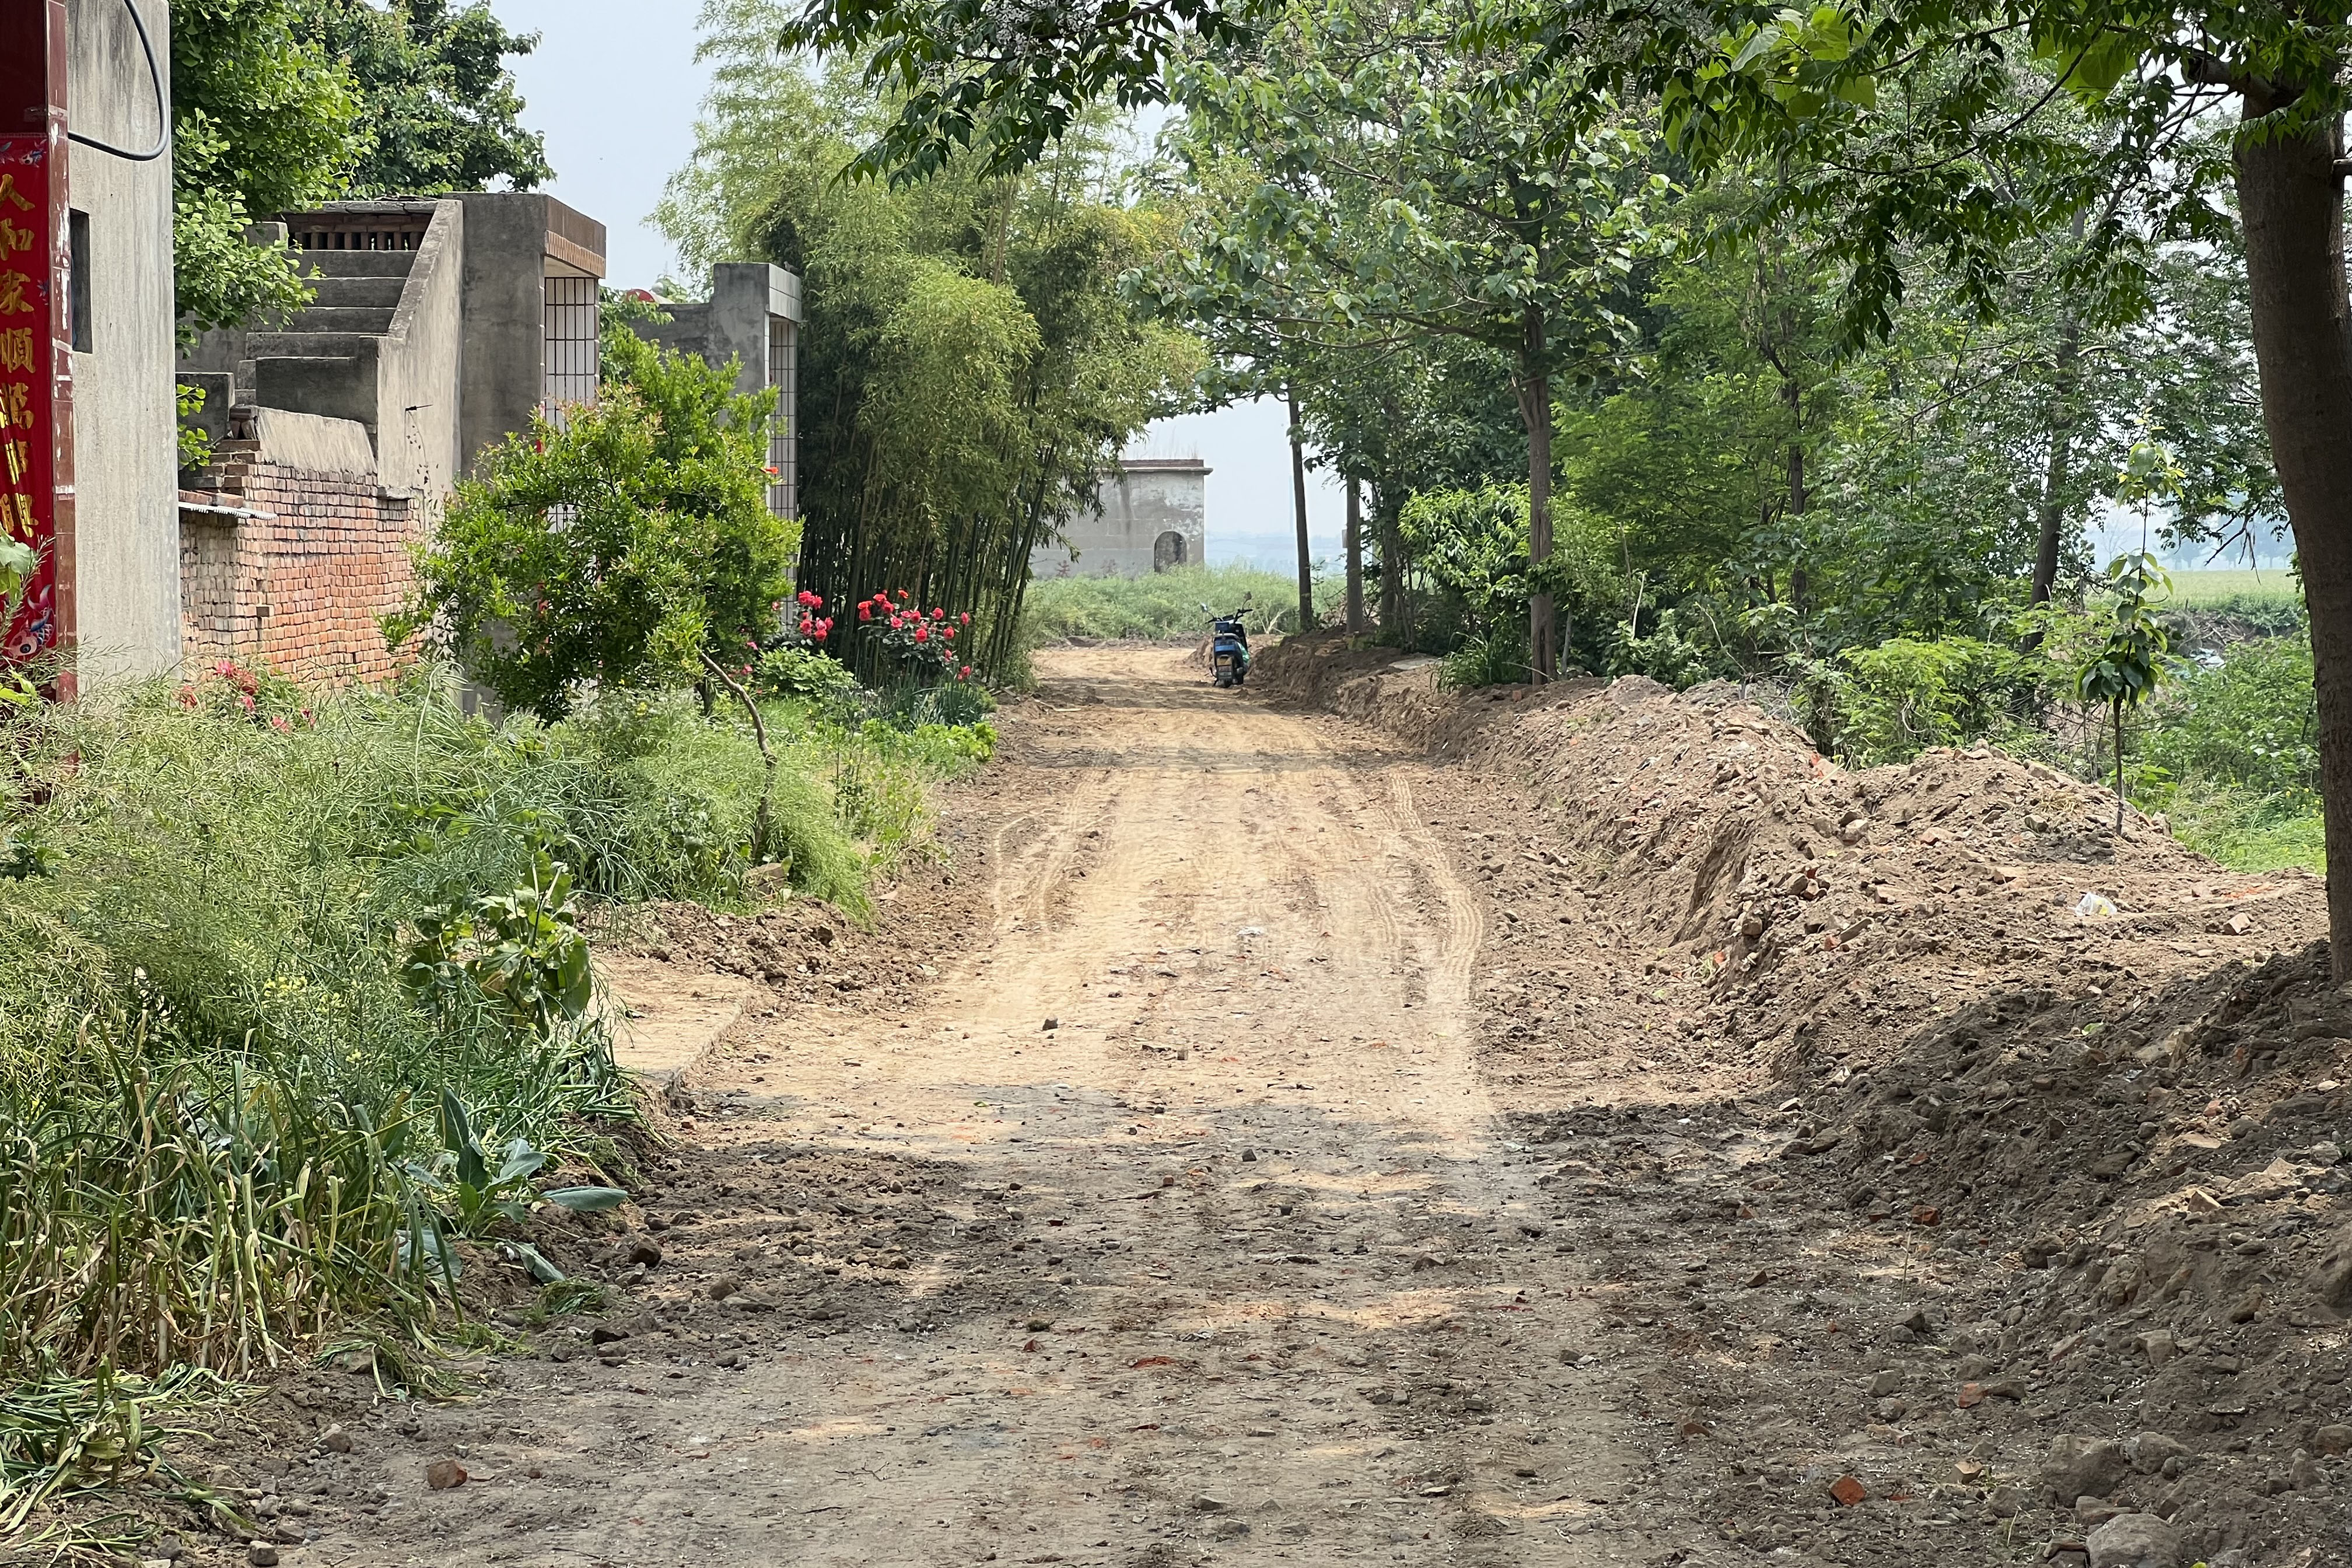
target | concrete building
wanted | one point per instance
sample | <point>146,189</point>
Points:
<point>437,328</point>
<point>1150,513</point>
<point>752,317</point>
<point>88,465</point>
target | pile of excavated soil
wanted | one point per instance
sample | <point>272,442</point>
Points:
<point>1957,1146</point>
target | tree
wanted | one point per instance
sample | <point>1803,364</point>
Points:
<point>1413,175</point>
<point>630,545</point>
<point>442,111</point>
<point>968,367</point>
<point>1899,119</point>
<point>263,120</point>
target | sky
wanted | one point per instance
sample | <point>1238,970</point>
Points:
<point>613,87</point>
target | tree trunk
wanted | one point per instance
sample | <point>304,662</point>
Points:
<point>1355,556</point>
<point>1391,545</point>
<point>2291,202</point>
<point>1298,505</point>
<point>1535,412</point>
<point>2051,512</point>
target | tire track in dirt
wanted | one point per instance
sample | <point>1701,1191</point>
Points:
<point>1230,1263</point>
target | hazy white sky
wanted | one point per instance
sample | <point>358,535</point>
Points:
<point>615,87</point>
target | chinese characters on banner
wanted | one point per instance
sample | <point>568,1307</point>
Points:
<point>28,387</point>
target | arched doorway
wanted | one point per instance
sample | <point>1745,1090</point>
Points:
<point>1167,550</point>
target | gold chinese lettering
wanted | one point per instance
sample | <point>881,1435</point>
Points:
<point>16,348</point>
<point>16,405</point>
<point>20,460</point>
<point>13,239</point>
<point>12,196</point>
<point>14,300</point>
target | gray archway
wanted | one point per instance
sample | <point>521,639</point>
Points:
<point>1167,550</point>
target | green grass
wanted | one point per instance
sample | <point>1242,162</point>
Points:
<point>2213,590</point>
<point>1165,606</point>
<point>2251,833</point>
<point>255,946</point>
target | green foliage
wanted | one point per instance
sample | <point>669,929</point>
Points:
<point>1494,658</point>
<point>2247,831</point>
<point>1889,703</point>
<point>263,120</point>
<point>441,109</point>
<point>1164,607</point>
<point>806,674</point>
<point>1469,551</point>
<point>520,952</point>
<point>195,446</point>
<point>968,365</point>
<point>665,550</point>
<point>2251,725</point>
<point>301,995</point>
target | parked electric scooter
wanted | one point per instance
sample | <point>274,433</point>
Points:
<point>1229,655</point>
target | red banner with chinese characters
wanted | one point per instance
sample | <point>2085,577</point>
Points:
<point>28,385</point>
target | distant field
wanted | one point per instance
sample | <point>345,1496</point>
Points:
<point>2224,588</point>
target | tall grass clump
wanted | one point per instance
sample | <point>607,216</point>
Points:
<point>295,993</point>
<point>1164,607</point>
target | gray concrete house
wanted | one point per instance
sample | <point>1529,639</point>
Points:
<point>438,325</point>
<point>752,317</point>
<point>1150,513</point>
<point>437,328</point>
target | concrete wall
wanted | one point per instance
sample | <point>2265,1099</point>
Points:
<point>1154,514</point>
<point>513,242</point>
<point>419,370</point>
<point>753,318</point>
<point>126,455</point>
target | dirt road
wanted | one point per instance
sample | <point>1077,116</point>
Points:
<point>1173,1224</point>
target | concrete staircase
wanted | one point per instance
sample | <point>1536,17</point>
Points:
<point>322,359</point>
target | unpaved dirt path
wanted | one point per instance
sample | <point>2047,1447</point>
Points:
<point>1232,1262</point>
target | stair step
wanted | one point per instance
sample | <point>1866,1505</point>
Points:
<point>381,292</point>
<point>310,345</point>
<point>359,263</point>
<point>371,320</point>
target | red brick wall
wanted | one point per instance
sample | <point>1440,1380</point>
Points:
<point>299,588</point>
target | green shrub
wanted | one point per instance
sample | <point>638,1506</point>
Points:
<point>622,547</point>
<point>2251,724</point>
<point>276,950</point>
<point>1496,658</point>
<point>1889,703</point>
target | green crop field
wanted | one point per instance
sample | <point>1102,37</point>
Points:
<point>2219,588</point>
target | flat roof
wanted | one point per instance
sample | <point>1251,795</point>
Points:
<point>1162,464</point>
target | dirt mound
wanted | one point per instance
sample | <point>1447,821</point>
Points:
<point>1822,906</point>
<point>2028,1188</point>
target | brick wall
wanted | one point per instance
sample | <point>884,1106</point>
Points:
<point>296,583</point>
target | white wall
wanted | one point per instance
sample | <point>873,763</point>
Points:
<point>1146,500</point>
<point>126,453</point>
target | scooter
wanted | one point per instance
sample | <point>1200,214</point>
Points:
<point>1229,655</point>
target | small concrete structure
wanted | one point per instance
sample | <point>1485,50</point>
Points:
<point>752,317</point>
<point>441,326</point>
<point>1150,513</point>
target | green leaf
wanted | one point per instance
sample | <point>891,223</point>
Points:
<point>533,1259</point>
